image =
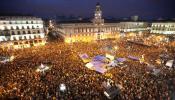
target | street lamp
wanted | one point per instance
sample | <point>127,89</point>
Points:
<point>62,87</point>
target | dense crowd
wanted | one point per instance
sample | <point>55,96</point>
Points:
<point>19,79</point>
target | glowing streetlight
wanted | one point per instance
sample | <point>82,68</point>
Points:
<point>62,87</point>
<point>42,68</point>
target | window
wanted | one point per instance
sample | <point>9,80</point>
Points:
<point>20,38</point>
<point>27,22</point>
<point>34,36</point>
<point>28,27</point>
<point>24,32</point>
<point>15,43</point>
<point>26,42</point>
<point>13,33</point>
<point>32,22</point>
<point>35,41</point>
<point>29,32</point>
<point>22,27</point>
<point>25,37</point>
<point>33,27</point>
<point>14,38</point>
<point>5,27</point>
<point>31,41</point>
<point>38,31</point>
<point>17,27</point>
<point>19,33</point>
<point>12,28</point>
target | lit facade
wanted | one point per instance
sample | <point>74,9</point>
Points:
<point>97,29</point>
<point>21,32</point>
<point>133,26</point>
<point>163,28</point>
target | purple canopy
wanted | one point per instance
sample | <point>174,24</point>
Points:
<point>121,59</point>
<point>133,58</point>
<point>84,56</point>
<point>99,66</point>
<point>99,58</point>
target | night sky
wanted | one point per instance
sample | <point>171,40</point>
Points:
<point>85,8</point>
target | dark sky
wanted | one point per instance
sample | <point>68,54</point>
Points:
<point>85,8</point>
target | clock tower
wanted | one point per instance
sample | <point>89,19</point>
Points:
<point>98,21</point>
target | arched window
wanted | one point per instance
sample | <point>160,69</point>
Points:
<point>30,37</point>
<point>26,42</point>
<point>12,28</point>
<point>17,27</point>
<point>13,33</point>
<point>14,38</point>
<point>19,33</point>
<point>15,43</point>
<point>20,37</point>
<point>35,37</point>
<point>25,37</point>
<point>29,32</point>
<point>24,32</point>
<point>35,41</point>
<point>5,28</point>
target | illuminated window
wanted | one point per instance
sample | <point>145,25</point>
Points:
<point>15,43</point>
<point>35,41</point>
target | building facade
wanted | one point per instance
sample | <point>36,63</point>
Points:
<point>163,28</point>
<point>97,29</point>
<point>21,32</point>
<point>133,26</point>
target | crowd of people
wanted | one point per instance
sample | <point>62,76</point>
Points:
<point>19,78</point>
